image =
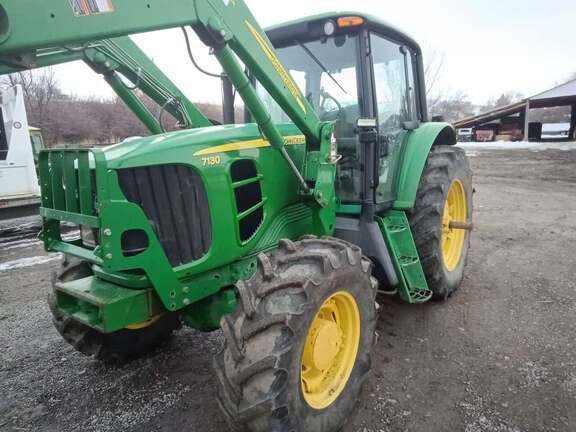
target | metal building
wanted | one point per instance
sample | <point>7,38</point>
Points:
<point>562,95</point>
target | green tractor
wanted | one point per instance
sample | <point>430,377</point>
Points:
<point>279,231</point>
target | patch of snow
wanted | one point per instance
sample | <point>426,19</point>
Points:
<point>21,244</point>
<point>74,235</point>
<point>28,262</point>
<point>519,145</point>
<point>17,242</point>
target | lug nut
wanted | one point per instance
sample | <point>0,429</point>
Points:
<point>186,302</point>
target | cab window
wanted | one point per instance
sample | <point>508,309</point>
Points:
<point>394,94</point>
<point>326,72</point>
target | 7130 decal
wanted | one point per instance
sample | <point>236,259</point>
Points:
<point>211,160</point>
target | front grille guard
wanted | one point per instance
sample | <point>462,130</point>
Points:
<point>68,182</point>
<point>79,187</point>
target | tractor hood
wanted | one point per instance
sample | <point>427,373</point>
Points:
<point>189,146</point>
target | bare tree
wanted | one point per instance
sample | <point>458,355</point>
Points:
<point>433,67</point>
<point>40,88</point>
<point>73,121</point>
<point>508,98</point>
<point>503,100</point>
<point>452,107</point>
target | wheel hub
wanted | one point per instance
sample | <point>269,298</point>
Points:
<point>325,339</point>
<point>455,209</point>
<point>330,350</point>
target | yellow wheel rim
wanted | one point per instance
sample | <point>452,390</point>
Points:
<point>330,350</point>
<point>455,209</point>
<point>144,324</point>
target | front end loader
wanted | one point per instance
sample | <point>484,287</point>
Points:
<point>279,231</point>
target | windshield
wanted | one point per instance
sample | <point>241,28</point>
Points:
<point>325,71</point>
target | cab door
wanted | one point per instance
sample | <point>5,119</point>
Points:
<point>395,102</point>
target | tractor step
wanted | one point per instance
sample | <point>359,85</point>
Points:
<point>412,286</point>
<point>102,305</point>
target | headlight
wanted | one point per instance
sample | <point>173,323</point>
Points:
<point>329,28</point>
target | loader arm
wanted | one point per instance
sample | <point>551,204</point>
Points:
<point>227,26</point>
<point>121,56</point>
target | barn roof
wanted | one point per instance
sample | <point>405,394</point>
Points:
<point>563,90</point>
<point>563,94</point>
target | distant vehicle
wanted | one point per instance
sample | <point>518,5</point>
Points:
<point>506,129</point>
<point>485,133</point>
<point>510,129</point>
<point>555,130</point>
<point>19,149</point>
<point>465,134</point>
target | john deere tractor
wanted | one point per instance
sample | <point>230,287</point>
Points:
<point>279,231</point>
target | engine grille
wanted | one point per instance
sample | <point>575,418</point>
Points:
<point>174,200</point>
<point>248,194</point>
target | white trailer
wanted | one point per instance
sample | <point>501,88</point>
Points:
<point>19,189</point>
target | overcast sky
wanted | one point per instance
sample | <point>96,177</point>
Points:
<point>489,46</point>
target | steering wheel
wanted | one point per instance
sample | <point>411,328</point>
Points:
<point>324,97</point>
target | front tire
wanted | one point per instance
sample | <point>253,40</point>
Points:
<point>283,342</point>
<point>114,348</point>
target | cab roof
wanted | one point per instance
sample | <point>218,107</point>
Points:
<point>303,27</point>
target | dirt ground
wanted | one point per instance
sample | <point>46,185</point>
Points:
<point>499,356</point>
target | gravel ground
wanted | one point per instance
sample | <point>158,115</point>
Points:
<point>499,356</point>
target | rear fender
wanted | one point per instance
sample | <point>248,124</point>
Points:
<point>417,147</point>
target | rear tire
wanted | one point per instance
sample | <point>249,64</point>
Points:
<point>261,366</point>
<point>445,166</point>
<point>116,348</point>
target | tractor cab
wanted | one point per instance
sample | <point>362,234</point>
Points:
<point>352,67</point>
